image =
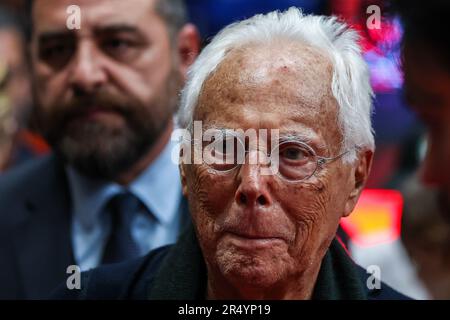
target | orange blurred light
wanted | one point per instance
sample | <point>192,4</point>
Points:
<point>376,218</point>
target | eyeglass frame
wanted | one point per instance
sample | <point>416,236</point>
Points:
<point>320,160</point>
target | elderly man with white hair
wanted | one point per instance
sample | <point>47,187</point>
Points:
<point>265,229</point>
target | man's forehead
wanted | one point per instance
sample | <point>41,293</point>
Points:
<point>52,15</point>
<point>287,76</point>
<point>283,70</point>
<point>293,55</point>
<point>268,87</point>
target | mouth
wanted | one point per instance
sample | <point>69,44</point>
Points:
<point>95,110</point>
<point>96,113</point>
<point>254,241</point>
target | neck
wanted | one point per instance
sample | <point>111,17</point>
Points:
<point>127,177</point>
<point>298,287</point>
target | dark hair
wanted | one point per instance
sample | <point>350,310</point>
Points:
<point>425,23</point>
<point>173,12</point>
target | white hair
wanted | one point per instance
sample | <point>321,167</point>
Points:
<point>350,83</point>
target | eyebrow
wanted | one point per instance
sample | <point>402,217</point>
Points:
<point>285,136</point>
<point>295,136</point>
<point>52,35</point>
<point>305,138</point>
<point>125,28</point>
<point>117,28</point>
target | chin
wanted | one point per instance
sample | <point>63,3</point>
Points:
<point>251,270</point>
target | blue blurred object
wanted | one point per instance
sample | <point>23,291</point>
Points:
<point>393,122</point>
<point>212,16</point>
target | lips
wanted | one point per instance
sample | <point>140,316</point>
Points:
<point>252,243</point>
<point>253,236</point>
<point>253,232</point>
<point>256,224</point>
<point>93,113</point>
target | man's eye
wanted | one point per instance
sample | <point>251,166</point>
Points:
<point>225,146</point>
<point>55,50</point>
<point>120,49</point>
<point>117,44</point>
<point>294,153</point>
<point>56,55</point>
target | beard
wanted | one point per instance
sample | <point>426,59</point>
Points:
<point>106,150</point>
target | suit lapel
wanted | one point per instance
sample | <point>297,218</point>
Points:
<point>42,240</point>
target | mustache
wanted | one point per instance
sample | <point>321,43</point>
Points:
<point>103,100</point>
<point>53,123</point>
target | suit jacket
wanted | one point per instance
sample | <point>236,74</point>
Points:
<point>178,272</point>
<point>35,229</point>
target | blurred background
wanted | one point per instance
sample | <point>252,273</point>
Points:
<point>393,227</point>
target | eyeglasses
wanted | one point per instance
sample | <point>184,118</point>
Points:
<point>291,159</point>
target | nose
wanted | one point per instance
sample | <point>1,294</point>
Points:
<point>87,73</point>
<point>253,189</point>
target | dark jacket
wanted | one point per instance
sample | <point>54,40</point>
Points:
<point>179,273</point>
<point>35,229</point>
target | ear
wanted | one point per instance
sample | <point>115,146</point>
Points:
<point>360,175</point>
<point>188,47</point>
<point>183,179</point>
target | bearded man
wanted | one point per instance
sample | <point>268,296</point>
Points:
<point>106,92</point>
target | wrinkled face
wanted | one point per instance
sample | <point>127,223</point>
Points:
<point>427,85</point>
<point>106,91</point>
<point>258,229</point>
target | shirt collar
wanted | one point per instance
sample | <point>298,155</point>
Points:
<point>158,187</point>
